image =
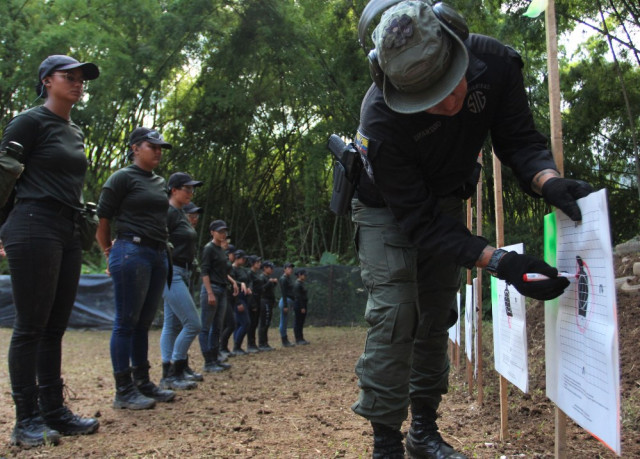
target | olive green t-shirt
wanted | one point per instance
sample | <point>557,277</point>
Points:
<point>54,156</point>
<point>137,200</point>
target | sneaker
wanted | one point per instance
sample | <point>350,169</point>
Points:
<point>239,351</point>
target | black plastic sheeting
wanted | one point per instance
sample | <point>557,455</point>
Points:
<point>94,306</point>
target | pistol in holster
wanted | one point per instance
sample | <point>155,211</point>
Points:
<point>346,171</point>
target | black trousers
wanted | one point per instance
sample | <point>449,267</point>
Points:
<point>45,257</point>
<point>266,313</point>
<point>298,322</point>
<point>229,322</point>
<point>254,316</point>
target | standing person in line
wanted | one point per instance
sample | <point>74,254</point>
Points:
<point>213,296</point>
<point>136,198</point>
<point>181,323</point>
<point>241,306</point>
<point>300,306</point>
<point>254,302</point>
<point>438,92</point>
<point>286,302</point>
<point>42,243</point>
<point>267,303</point>
<point>229,320</point>
<point>193,213</point>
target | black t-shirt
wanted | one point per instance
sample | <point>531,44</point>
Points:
<point>182,236</point>
<point>214,264</point>
<point>54,156</point>
<point>300,294</point>
<point>286,289</point>
<point>414,160</point>
<point>137,199</point>
<point>267,288</point>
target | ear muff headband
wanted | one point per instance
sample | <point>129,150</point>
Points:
<point>445,13</point>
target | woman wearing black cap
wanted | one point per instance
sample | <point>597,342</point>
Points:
<point>137,199</point>
<point>181,319</point>
<point>42,243</point>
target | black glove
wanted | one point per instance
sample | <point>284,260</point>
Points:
<point>562,193</point>
<point>512,266</point>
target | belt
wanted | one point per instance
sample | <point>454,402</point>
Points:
<point>183,264</point>
<point>56,207</point>
<point>144,241</point>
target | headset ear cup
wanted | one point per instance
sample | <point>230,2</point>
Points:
<point>377,75</point>
<point>452,19</point>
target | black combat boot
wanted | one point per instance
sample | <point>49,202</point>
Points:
<point>173,376</point>
<point>424,440</point>
<point>286,342</point>
<point>387,442</point>
<point>58,416</point>
<point>147,387</point>
<point>191,375</point>
<point>128,395</point>
<point>211,363</point>
<point>30,428</point>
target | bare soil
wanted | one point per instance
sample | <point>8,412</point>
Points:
<point>295,402</point>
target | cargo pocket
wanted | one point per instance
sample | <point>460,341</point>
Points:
<point>382,322</point>
<point>401,257</point>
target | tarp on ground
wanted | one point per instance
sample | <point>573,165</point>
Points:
<point>336,297</point>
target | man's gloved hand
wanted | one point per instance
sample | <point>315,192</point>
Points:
<point>562,193</point>
<point>512,266</point>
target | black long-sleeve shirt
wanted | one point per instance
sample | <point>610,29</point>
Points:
<point>300,294</point>
<point>286,289</point>
<point>412,160</point>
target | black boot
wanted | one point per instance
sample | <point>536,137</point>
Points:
<point>58,416</point>
<point>128,395</point>
<point>424,440</point>
<point>173,376</point>
<point>286,342</point>
<point>147,387</point>
<point>212,364</point>
<point>191,375</point>
<point>30,428</point>
<point>387,442</point>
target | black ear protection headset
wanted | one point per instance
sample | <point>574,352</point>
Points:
<point>448,16</point>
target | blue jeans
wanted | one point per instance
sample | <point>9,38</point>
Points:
<point>284,316</point>
<point>212,318</point>
<point>181,320</point>
<point>44,253</point>
<point>243,320</point>
<point>139,274</point>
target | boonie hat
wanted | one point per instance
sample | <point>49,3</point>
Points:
<point>191,208</point>
<point>180,179</point>
<point>422,59</point>
<point>218,225</point>
<point>141,134</point>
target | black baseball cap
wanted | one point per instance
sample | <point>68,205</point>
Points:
<point>141,134</point>
<point>62,62</point>
<point>289,265</point>
<point>240,253</point>
<point>218,225</point>
<point>301,271</point>
<point>180,179</point>
<point>230,249</point>
<point>267,264</point>
<point>191,208</point>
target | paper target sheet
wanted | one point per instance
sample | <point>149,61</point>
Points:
<point>454,331</point>
<point>581,327</point>
<point>510,330</point>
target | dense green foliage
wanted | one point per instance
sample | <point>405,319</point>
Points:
<point>248,92</point>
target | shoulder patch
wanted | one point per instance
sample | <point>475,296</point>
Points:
<point>362,144</point>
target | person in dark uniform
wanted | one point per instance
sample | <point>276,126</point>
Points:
<point>181,322</point>
<point>438,92</point>
<point>286,302</point>
<point>136,198</point>
<point>229,319</point>
<point>42,243</point>
<point>241,305</point>
<point>214,296</point>
<point>300,306</point>
<point>193,213</point>
<point>254,263</point>
<point>267,303</point>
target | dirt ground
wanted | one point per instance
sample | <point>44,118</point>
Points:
<point>295,402</point>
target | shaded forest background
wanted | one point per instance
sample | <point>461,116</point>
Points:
<point>248,92</point>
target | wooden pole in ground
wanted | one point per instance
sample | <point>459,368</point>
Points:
<point>479,308</point>
<point>469,277</point>
<point>556,147</point>
<point>497,197</point>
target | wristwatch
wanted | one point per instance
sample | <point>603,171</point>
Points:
<point>492,266</point>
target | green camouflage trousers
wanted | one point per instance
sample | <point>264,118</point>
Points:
<point>411,305</point>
